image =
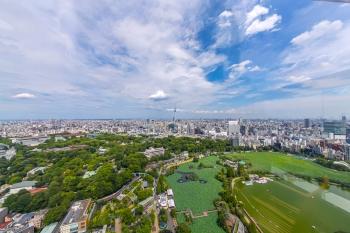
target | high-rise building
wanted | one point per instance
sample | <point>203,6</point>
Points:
<point>243,130</point>
<point>307,123</point>
<point>334,127</point>
<point>235,140</point>
<point>233,128</point>
<point>347,152</point>
<point>348,135</point>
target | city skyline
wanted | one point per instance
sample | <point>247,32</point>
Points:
<point>209,59</point>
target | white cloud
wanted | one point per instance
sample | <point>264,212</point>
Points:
<point>24,96</point>
<point>225,19</point>
<point>318,31</point>
<point>110,58</point>
<point>242,19</point>
<point>241,68</point>
<point>257,11</point>
<point>158,95</point>
<point>5,25</point>
<point>298,79</point>
<point>318,58</point>
<point>263,25</point>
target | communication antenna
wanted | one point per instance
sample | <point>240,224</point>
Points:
<point>174,115</point>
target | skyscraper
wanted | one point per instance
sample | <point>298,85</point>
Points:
<point>348,135</point>
<point>343,118</point>
<point>307,123</point>
<point>347,152</point>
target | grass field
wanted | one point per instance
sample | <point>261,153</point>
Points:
<point>279,163</point>
<point>281,207</point>
<point>196,196</point>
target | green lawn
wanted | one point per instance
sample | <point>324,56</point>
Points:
<point>281,207</point>
<point>281,163</point>
<point>206,224</point>
<point>196,196</point>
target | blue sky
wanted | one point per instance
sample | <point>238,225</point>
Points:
<point>139,59</point>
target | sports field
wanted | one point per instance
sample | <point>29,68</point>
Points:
<point>282,163</point>
<point>282,207</point>
<point>198,196</point>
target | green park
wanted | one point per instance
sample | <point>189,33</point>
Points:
<point>198,196</point>
<point>281,207</point>
<point>275,162</point>
<point>287,204</point>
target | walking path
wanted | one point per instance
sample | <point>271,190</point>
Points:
<point>204,213</point>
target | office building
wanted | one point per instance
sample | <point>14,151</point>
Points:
<point>307,123</point>
<point>335,128</point>
<point>235,140</point>
<point>233,128</point>
<point>243,130</point>
<point>347,152</point>
<point>76,219</point>
<point>348,135</point>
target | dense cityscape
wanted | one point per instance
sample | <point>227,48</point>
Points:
<point>142,153</point>
<point>313,137</point>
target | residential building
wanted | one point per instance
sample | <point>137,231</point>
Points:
<point>50,228</point>
<point>3,213</point>
<point>154,152</point>
<point>38,218</point>
<point>35,170</point>
<point>171,203</point>
<point>20,229</point>
<point>28,185</point>
<point>76,219</point>
<point>170,192</point>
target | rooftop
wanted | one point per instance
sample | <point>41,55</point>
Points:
<point>23,184</point>
<point>77,212</point>
<point>49,228</point>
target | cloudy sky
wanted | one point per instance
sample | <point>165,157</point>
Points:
<point>140,59</point>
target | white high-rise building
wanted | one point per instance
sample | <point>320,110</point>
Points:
<point>233,128</point>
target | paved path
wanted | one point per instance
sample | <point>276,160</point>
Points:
<point>155,228</point>
<point>120,191</point>
<point>234,181</point>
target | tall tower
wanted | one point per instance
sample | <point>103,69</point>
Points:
<point>174,115</point>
